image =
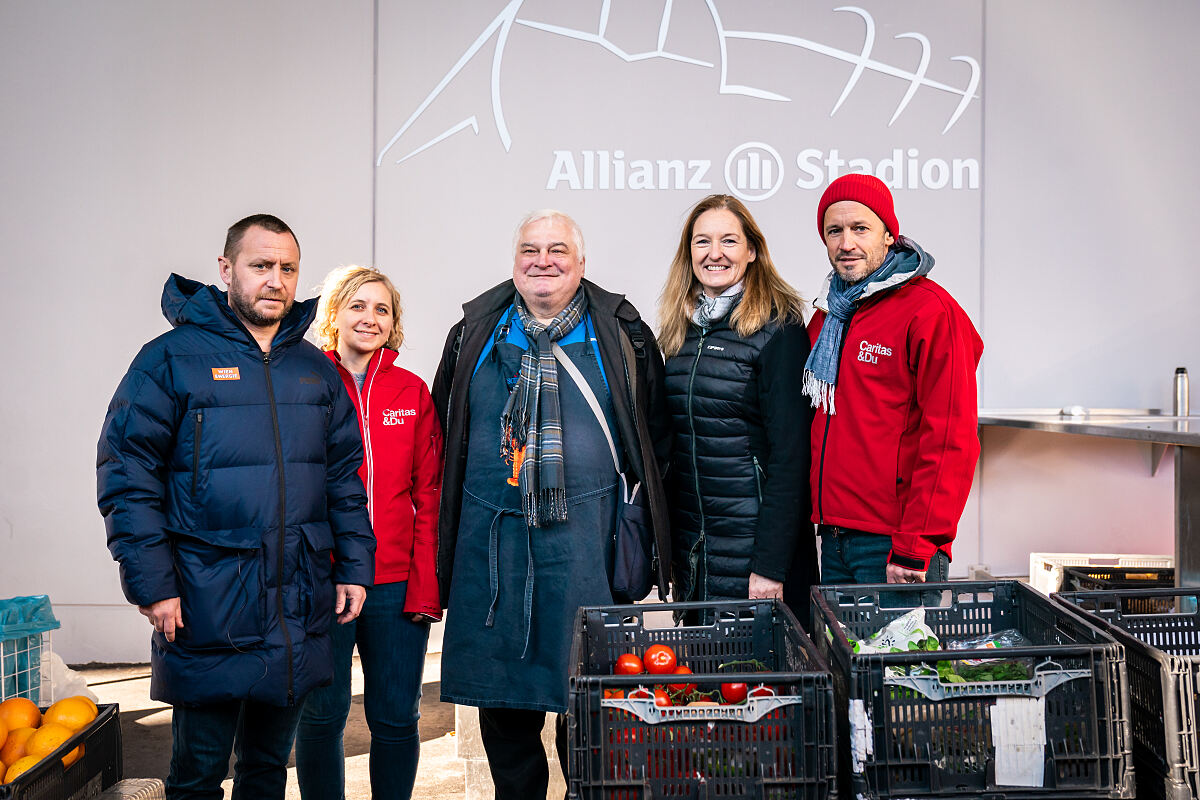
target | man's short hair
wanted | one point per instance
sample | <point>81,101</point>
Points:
<point>550,213</point>
<point>270,222</point>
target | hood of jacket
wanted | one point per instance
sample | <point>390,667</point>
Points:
<point>189,302</point>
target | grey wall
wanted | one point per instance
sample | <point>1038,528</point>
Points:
<point>1090,290</point>
<point>135,132</point>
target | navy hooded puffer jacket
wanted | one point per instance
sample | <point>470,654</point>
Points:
<point>228,478</point>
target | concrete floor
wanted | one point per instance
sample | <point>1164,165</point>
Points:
<point>146,733</point>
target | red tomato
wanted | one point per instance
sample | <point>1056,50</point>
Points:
<point>661,698</point>
<point>733,692</point>
<point>640,693</point>
<point>762,691</point>
<point>628,664</point>
<point>686,688</point>
<point>659,659</point>
<point>614,694</point>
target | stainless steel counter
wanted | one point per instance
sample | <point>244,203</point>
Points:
<point>1143,425</point>
<point>1139,425</point>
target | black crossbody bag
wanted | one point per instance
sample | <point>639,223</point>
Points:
<point>633,562</point>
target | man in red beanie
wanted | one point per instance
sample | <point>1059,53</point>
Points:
<point>892,378</point>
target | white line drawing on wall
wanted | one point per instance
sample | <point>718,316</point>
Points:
<point>502,24</point>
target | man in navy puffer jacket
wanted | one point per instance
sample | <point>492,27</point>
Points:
<point>227,475</point>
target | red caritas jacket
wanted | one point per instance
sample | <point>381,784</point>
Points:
<point>899,454</point>
<point>402,472</point>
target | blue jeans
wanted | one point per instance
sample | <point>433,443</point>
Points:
<point>392,650</point>
<point>203,737</point>
<point>849,556</point>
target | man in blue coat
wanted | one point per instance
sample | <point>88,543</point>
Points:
<point>227,477</point>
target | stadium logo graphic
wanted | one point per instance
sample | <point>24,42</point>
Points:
<point>753,171</point>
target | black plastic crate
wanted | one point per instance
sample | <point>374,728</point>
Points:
<point>1163,651</point>
<point>769,747</point>
<point>96,769</point>
<point>903,735</point>
<point>1096,579</point>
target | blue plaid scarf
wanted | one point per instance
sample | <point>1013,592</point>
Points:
<point>532,418</point>
<point>839,300</point>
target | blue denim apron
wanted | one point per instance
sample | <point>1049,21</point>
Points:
<point>516,589</point>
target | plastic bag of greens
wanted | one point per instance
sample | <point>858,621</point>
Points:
<point>1009,637</point>
<point>903,634</point>
<point>908,632</point>
<point>976,670</point>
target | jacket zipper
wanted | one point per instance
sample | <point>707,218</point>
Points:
<point>196,451</point>
<point>364,409</point>
<point>692,428</point>
<point>450,394</point>
<point>758,471</point>
<point>279,564</point>
<point>825,438</point>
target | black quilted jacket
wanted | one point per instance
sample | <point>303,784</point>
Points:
<point>738,484</point>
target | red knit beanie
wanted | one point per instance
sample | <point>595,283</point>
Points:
<point>861,188</point>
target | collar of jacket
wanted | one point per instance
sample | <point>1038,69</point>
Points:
<point>600,302</point>
<point>189,302</point>
<point>384,356</point>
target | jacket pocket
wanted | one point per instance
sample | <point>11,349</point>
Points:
<point>316,578</point>
<point>196,439</point>
<point>221,590</point>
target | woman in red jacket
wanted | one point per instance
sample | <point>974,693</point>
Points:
<point>359,325</point>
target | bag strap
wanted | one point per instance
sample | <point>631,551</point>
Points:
<point>586,390</point>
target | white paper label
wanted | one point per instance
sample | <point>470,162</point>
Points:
<point>1019,736</point>
<point>862,737</point>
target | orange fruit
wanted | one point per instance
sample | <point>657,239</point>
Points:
<point>88,700</point>
<point>73,756</point>
<point>21,765</point>
<point>14,746</point>
<point>3,733</point>
<point>47,739</point>
<point>20,712</point>
<point>71,713</point>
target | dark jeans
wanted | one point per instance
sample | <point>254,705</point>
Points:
<point>391,648</point>
<point>512,738</point>
<point>203,737</point>
<point>849,556</point>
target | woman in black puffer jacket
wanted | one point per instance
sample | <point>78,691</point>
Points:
<point>733,333</point>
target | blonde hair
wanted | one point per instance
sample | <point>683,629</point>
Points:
<point>337,289</point>
<point>766,295</point>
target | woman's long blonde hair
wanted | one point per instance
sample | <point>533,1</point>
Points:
<point>767,296</point>
<point>337,289</point>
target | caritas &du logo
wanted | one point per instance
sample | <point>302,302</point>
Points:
<point>395,416</point>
